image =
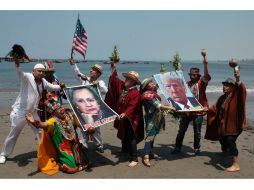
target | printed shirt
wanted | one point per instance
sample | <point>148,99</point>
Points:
<point>198,90</point>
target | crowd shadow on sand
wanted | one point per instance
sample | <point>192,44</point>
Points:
<point>99,159</point>
<point>217,159</point>
<point>24,159</point>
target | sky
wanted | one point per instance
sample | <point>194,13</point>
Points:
<point>139,35</point>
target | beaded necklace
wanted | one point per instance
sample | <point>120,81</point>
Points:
<point>66,127</point>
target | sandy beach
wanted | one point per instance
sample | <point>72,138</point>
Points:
<point>112,164</point>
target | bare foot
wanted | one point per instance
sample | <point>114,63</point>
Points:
<point>146,161</point>
<point>132,164</point>
<point>233,168</point>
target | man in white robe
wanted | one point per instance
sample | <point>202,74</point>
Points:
<point>31,87</point>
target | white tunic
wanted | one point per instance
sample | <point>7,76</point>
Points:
<point>29,97</point>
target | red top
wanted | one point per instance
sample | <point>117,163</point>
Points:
<point>198,90</point>
<point>130,105</point>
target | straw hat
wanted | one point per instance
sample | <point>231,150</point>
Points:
<point>145,82</point>
<point>98,68</point>
<point>133,75</point>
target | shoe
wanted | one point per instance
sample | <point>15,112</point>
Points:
<point>100,150</point>
<point>2,159</point>
<point>132,164</point>
<point>175,151</point>
<point>146,161</point>
<point>197,152</point>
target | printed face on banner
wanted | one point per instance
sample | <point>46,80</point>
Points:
<point>176,91</point>
<point>88,106</point>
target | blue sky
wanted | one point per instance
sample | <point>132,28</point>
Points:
<point>140,35</point>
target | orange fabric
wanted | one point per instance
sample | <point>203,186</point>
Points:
<point>47,155</point>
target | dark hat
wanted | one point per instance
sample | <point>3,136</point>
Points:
<point>133,75</point>
<point>229,81</point>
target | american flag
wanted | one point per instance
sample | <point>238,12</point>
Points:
<point>79,43</point>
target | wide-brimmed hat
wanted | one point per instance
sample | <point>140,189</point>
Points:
<point>133,75</point>
<point>39,66</point>
<point>145,82</point>
<point>229,81</point>
<point>98,68</point>
<point>194,71</point>
<point>49,66</point>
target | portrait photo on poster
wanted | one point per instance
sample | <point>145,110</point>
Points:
<point>88,106</point>
<point>175,89</point>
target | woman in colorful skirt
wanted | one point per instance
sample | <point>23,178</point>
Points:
<point>154,118</point>
<point>59,147</point>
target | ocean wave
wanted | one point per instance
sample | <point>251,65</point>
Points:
<point>218,89</point>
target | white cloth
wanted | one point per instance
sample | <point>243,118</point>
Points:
<point>95,137</point>
<point>26,102</point>
<point>83,136</point>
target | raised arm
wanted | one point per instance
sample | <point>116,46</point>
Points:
<point>77,74</point>
<point>20,73</point>
<point>205,63</point>
<point>237,76</point>
<point>30,119</point>
<point>52,87</point>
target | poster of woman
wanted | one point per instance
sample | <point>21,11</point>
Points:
<point>176,91</point>
<point>88,106</point>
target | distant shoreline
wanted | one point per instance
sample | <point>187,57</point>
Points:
<point>55,60</point>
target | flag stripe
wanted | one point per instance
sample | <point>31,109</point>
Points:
<point>79,43</point>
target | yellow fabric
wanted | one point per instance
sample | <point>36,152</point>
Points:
<point>51,125</point>
<point>47,154</point>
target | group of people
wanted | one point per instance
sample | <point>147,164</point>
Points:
<point>63,144</point>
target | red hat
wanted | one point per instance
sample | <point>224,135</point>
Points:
<point>49,66</point>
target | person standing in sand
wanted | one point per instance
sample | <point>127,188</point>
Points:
<point>227,118</point>
<point>95,72</point>
<point>125,99</point>
<point>154,118</point>
<point>197,85</point>
<point>32,85</point>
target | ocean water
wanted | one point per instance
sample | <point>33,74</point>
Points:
<point>219,71</point>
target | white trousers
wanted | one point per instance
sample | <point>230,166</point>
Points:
<point>18,122</point>
<point>95,137</point>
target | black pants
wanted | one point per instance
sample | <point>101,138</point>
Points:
<point>228,144</point>
<point>184,123</point>
<point>129,143</point>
